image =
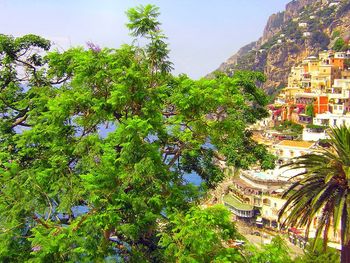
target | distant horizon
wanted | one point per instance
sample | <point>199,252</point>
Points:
<point>201,35</point>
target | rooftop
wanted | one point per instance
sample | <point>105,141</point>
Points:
<point>234,202</point>
<point>298,144</point>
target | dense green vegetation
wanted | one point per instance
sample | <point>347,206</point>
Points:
<point>317,254</point>
<point>322,190</point>
<point>95,145</point>
<point>340,45</point>
<point>290,126</point>
<point>316,127</point>
<point>309,110</point>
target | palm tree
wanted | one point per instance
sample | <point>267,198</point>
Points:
<point>322,188</point>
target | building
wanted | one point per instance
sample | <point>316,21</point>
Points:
<point>289,149</point>
<point>238,207</point>
<point>295,76</point>
<point>332,120</point>
<point>270,208</point>
<point>318,101</point>
<point>339,97</point>
<point>314,134</point>
<point>339,59</point>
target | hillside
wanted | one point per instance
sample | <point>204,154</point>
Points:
<point>303,29</point>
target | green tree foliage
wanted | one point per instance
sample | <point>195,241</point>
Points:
<point>200,235</point>
<point>289,125</point>
<point>322,190</point>
<point>317,255</point>
<point>335,34</point>
<point>309,110</point>
<point>69,192</point>
<point>276,252</point>
<point>319,39</point>
<point>340,45</point>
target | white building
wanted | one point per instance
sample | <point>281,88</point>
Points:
<point>290,149</point>
<point>339,96</point>
<point>271,205</point>
<point>332,120</point>
<point>312,135</point>
<point>341,55</point>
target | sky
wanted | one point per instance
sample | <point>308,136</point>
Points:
<point>201,33</point>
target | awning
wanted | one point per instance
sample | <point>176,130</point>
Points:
<point>237,204</point>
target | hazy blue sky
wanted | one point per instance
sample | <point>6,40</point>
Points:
<point>202,33</point>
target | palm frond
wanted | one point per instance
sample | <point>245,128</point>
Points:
<point>321,188</point>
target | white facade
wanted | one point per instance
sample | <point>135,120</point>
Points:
<point>339,96</point>
<point>309,135</point>
<point>342,83</point>
<point>332,120</point>
<point>271,206</point>
<point>291,149</point>
<point>340,55</point>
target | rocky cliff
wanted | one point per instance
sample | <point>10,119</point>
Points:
<point>303,29</point>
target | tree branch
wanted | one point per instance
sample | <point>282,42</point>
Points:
<point>20,121</point>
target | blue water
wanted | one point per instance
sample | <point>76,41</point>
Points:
<point>193,178</point>
<point>263,176</point>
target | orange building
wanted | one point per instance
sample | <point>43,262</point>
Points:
<point>338,60</point>
<point>320,102</point>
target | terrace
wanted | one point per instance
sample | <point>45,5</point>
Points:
<point>237,207</point>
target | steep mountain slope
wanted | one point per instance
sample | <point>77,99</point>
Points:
<point>303,29</point>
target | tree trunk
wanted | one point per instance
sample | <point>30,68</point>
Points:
<point>345,253</point>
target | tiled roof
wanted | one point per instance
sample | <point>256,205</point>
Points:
<point>299,144</point>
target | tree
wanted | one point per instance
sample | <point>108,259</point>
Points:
<point>322,190</point>
<point>319,39</point>
<point>339,45</point>
<point>309,111</point>
<point>200,236</point>
<point>94,141</point>
<point>276,252</point>
<point>316,255</point>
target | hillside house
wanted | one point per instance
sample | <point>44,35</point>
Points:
<point>290,149</point>
<point>331,119</point>
<point>339,96</point>
<point>319,101</point>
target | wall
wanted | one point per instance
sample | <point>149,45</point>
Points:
<point>308,135</point>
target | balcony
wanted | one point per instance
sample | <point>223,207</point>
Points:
<point>337,96</point>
